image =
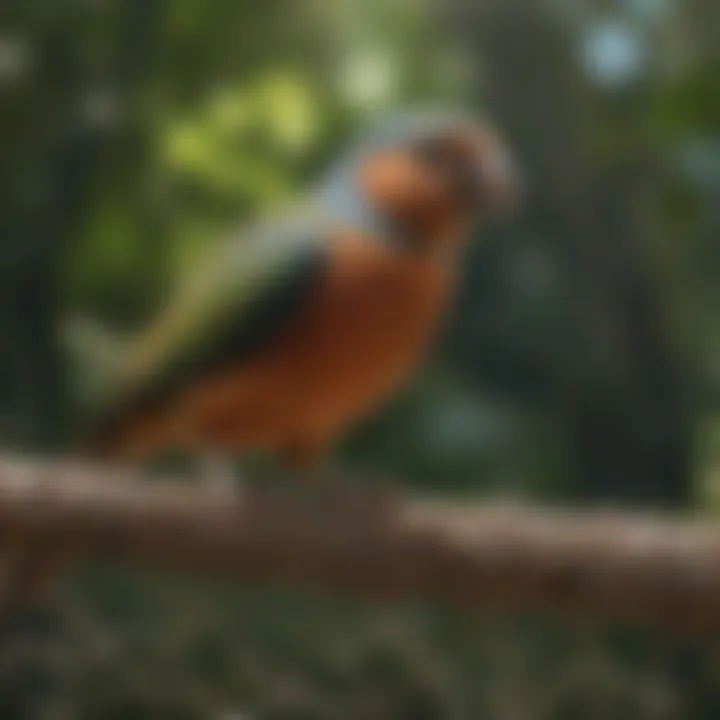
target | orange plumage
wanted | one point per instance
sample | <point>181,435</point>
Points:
<point>359,330</point>
<point>360,334</point>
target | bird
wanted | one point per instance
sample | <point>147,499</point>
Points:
<point>297,329</point>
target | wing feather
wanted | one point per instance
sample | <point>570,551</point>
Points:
<point>237,302</point>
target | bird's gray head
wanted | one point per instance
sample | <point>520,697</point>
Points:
<point>422,171</point>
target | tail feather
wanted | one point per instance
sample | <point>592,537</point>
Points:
<point>93,356</point>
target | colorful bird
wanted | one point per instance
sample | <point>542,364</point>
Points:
<point>294,332</point>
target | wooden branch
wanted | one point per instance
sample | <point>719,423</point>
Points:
<point>373,545</point>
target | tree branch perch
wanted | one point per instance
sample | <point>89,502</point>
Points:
<point>373,545</point>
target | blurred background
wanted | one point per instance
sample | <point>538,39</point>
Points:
<point>581,363</point>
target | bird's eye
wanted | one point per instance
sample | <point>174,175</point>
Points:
<point>433,152</point>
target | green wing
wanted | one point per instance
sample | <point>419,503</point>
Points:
<point>241,298</point>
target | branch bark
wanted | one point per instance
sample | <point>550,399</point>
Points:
<point>373,545</point>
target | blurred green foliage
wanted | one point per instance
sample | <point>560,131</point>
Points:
<point>137,133</point>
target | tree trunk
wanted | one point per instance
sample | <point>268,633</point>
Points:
<point>624,390</point>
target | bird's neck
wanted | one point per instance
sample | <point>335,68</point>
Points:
<point>426,234</point>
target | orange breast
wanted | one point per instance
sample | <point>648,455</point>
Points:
<point>359,336</point>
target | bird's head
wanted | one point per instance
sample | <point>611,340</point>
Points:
<point>435,176</point>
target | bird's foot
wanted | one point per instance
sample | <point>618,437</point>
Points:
<point>341,488</point>
<point>220,475</point>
